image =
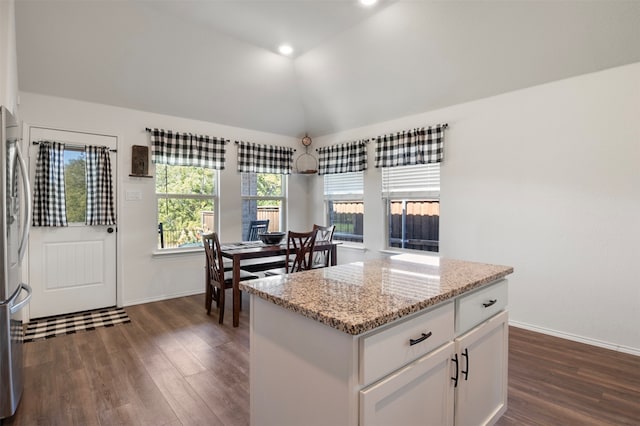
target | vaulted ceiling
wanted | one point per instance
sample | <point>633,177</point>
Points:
<point>216,60</point>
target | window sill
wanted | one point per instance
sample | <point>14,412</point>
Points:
<point>351,246</point>
<point>395,251</point>
<point>177,252</point>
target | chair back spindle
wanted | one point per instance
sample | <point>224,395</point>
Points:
<point>215,266</point>
<point>299,255</point>
<point>323,234</point>
<point>257,227</point>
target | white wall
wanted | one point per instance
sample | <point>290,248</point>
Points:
<point>8,60</point>
<point>142,276</point>
<point>547,180</point>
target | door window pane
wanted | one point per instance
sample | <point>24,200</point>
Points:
<point>75,185</point>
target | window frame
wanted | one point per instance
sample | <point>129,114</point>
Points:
<point>283,198</point>
<point>406,195</point>
<point>80,151</point>
<point>214,198</point>
<point>356,196</point>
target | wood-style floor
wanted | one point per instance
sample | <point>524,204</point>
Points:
<point>174,365</point>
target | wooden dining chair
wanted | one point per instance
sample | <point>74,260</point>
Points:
<point>324,234</point>
<point>217,280</point>
<point>257,227</point>
<point>299,255</point>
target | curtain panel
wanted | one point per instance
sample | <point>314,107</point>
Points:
<point>100,202</point>
<point>417,146</point>
<point>256,158</point>
<point>343,158</point>
<point>49,204</point>
<point>186,149</point>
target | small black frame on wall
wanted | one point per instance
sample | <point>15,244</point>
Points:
<point>140,161</point>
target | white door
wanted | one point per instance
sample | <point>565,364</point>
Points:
<point>72,268</point>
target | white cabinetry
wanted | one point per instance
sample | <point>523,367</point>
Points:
<point>417,389</point>
<point>383,352</point>
<point>419,394</point>
<point>481,354</point>
<point>303,372</point>
<point>481,391</point>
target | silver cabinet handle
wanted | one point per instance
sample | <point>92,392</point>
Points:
<point>27,202</point>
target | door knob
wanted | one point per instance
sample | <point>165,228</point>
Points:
<point>110,230</point>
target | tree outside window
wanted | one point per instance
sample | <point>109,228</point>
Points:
<point>187,198</point>
<point>75,185</point>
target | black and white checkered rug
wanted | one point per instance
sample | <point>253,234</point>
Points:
<point>46,328</point>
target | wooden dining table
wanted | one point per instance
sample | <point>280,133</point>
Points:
<point>238,252</point>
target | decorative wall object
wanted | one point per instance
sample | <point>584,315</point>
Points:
<point>139,161</point>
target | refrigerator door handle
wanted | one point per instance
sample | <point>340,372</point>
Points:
<point>15,308</point>
<point>28,207</point>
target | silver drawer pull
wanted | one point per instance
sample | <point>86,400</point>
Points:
<point>424,337</point>
<point>490,303</point>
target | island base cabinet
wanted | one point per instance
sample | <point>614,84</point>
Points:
<point>302,372</point>
<point>419,394</point>
<point>481,391</point>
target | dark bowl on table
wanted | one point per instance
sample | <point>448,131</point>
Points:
<point>271,238</point>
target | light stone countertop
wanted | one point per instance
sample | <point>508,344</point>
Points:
<point>361,296</point>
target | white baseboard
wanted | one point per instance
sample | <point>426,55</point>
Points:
<point>576,338</point>
<point>159,298</point>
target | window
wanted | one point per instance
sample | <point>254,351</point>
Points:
<point>343,194</point>
<point>412,195</point>
<point>187,201</point>
<point>75,184</point>
<point>263,197</point>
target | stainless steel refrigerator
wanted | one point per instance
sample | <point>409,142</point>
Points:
<point>15,219</point>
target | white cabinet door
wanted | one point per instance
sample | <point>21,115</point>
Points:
<point>481,393</point>
<point>419,394</point>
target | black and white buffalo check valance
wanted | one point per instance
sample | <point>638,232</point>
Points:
<point>100,202</point>
<point>186,149</point>
<point>256,158</point>
<point>49,205</point>
<point>343,158</point>
<point>417,146</point>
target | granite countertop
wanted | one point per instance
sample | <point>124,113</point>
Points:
<point>358,297</point>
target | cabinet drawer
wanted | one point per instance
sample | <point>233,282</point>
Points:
<point>399,344</point>
<point>480,305</point>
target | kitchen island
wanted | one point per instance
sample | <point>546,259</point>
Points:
<point>404,340</point>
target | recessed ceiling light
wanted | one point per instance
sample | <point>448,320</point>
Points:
<point>368,2</point>
<point>285,49</point>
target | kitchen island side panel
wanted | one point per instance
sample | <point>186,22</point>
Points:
<point>309,367</point>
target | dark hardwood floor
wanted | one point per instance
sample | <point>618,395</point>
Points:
<point>554,381</point>
<point>174,365</point>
